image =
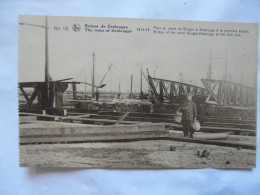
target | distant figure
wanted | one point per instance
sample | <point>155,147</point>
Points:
<point>189,114</point>
<point>142,96</point>
<point>97,95</point>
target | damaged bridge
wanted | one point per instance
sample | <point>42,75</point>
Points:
<point>223,93</point>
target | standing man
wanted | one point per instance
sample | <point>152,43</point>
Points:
<point>97,95</point>
<point>189,114</point>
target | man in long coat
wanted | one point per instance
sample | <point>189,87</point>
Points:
<point>189,114</point>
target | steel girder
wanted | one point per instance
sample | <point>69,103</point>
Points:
<point>163,89</point>
<point>55,91</point>
<point>227,93</point>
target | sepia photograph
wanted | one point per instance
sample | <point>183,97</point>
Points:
<point>123,93</point>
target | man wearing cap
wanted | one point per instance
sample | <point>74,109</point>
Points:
<point>189,114</point>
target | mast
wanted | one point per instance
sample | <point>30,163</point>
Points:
<point>119,91</point>
<point>226,68</point>
<point>210,64</point>
<point>93,76</point>
<point>85,88</point>
<point>241,76</point>
<point>46,51</point>
<point>131,90</point>
<point>209,73</point>
<point>226,87</point>
<point>181,77</point>
<point>47,87</point>
<point>141,81</point>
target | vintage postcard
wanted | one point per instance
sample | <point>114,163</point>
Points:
<point>136,93</point>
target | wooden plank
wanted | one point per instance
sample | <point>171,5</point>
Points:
<point>225,129</point>
<point>128,118</point>
<point>160,120</point>
<point>216,129</point>
<point>212,136</point>
<point>81,110</point>
<point>30,110</point>
<point>102,121</point>
<point>34,114</point>
<point>246,126</point>
<point>77,116</point>
<point>244,145</point>
<point>79,113</point>
<point>62,130</point>
<point>26,120</point>
<point>159,116</point>
<point>93,137</point>
<point>203,136</point>
<point>59,111</point>
<point>224,117</point>
<point>156,135</point>
<point>76,111</point>
<point>232,121</point>
<point>138,114</point>
<point>121,118</point>
<point>85,120</point>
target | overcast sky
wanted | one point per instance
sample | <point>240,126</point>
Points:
<point>70,53</point>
